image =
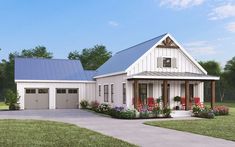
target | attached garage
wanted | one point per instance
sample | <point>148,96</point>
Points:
<point>67,98</point>
<point>36,98</point>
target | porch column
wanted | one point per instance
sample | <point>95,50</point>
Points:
<point>136,93</point>
<point>186,95</point>
<point>164,93</point>
<point>212,94</point>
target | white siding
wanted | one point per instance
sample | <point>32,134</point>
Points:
<point>117,81</point>
<point>83,91</point>
<point>149,62</point>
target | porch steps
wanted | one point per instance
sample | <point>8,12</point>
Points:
<point>181,113</point>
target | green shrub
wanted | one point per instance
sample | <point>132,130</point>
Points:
<point>120,112</point>
<point>166,112</point>
<point>128,114</point>
<point>145,114</point>
<point>177,98</point>
<point>11,99</point>
<point>84,104</point>
<point>203,112</point>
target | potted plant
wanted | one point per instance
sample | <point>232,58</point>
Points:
<point>177,99</point>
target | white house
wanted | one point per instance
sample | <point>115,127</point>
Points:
<point>156,68</point>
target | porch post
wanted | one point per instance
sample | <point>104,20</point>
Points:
<point>186,95</point>
<point>164,93</point>
<point>136,93</point>
<point>212,94</point>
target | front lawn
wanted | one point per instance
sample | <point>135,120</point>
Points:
<point>220,127</point>
<point>53,134</point>
<point>3,106</point>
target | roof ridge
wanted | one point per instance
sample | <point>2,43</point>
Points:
<point>40,58</point>
<point>141,43</point>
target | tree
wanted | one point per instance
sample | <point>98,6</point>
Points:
<point>38,51</point>
<point>91,58</point>
<point>229,73</point>
<point>11,99</point>
<point>213,68</point>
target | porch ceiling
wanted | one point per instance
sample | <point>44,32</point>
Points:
<point>148,75</point>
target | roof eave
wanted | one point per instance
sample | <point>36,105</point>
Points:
<point>173,78</point>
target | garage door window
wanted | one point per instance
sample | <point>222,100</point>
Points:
<point>30,91</point>
<point>41,91</point>
<point>61,91</point>
<point>73,91</point>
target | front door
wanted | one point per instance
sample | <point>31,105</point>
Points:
<point>143,93</point>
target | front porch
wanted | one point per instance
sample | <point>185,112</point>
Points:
<point>159,91</point>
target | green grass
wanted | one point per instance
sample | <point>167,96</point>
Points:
<point>220,127</point>
<point>30,133</point>
<point>3,106</point>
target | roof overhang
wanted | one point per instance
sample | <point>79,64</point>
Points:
<point>172,78</point>
<point>152,75</point>
<point>53,81</point>
<point>110,74</point>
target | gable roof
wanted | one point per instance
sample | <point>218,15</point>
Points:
<point>123,59</point>
<point>50,69</point>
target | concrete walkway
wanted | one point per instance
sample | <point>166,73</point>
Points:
<point>133,131</point>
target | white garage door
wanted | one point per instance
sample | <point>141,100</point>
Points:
<point>67,98</point>
<point>36,98</point>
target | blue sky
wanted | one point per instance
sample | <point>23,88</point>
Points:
<point>206,28</point>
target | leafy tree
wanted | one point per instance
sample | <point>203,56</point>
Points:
<point>213,68</point>
<point>38,51</point>
<point>91,58</point>
<point>11,99</point>
<point>7,67</point>
<point>229,72</point>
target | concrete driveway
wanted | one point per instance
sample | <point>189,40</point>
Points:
<point>133,131</point>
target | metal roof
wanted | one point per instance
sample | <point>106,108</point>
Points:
<point>123,59</point>
<point>172,76</point>
<point>50,69</point>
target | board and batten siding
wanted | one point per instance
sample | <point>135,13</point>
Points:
<point>117,82</point>
<point>83,91</point>
<point>149,62</point>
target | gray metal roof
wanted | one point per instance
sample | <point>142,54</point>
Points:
<point>50,69</point>
<point>123,59</point>
<point>173,75</point>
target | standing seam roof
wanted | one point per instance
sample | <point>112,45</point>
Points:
<point>123,59</point>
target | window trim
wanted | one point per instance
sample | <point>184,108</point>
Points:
<point>124,93</point>
<point>166,58</point>
<point>106,93</point>
<point>99,89</point>
<point>112,91</point>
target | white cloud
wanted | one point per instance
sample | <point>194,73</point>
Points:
<point>223,11</point>
<point>113,23</point>
<point>231,27</point>
<point>181,4</point>
<point>200,48</point>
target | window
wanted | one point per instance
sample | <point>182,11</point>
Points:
<point>166,62</point>
<point>106,93</point>
<point>111,93</point>
<point>30,91</point>
<point>124,92</point>
<point>41,91</point>
<point>60,91</point>
<point>73,91</point>
<point>99,90</point>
